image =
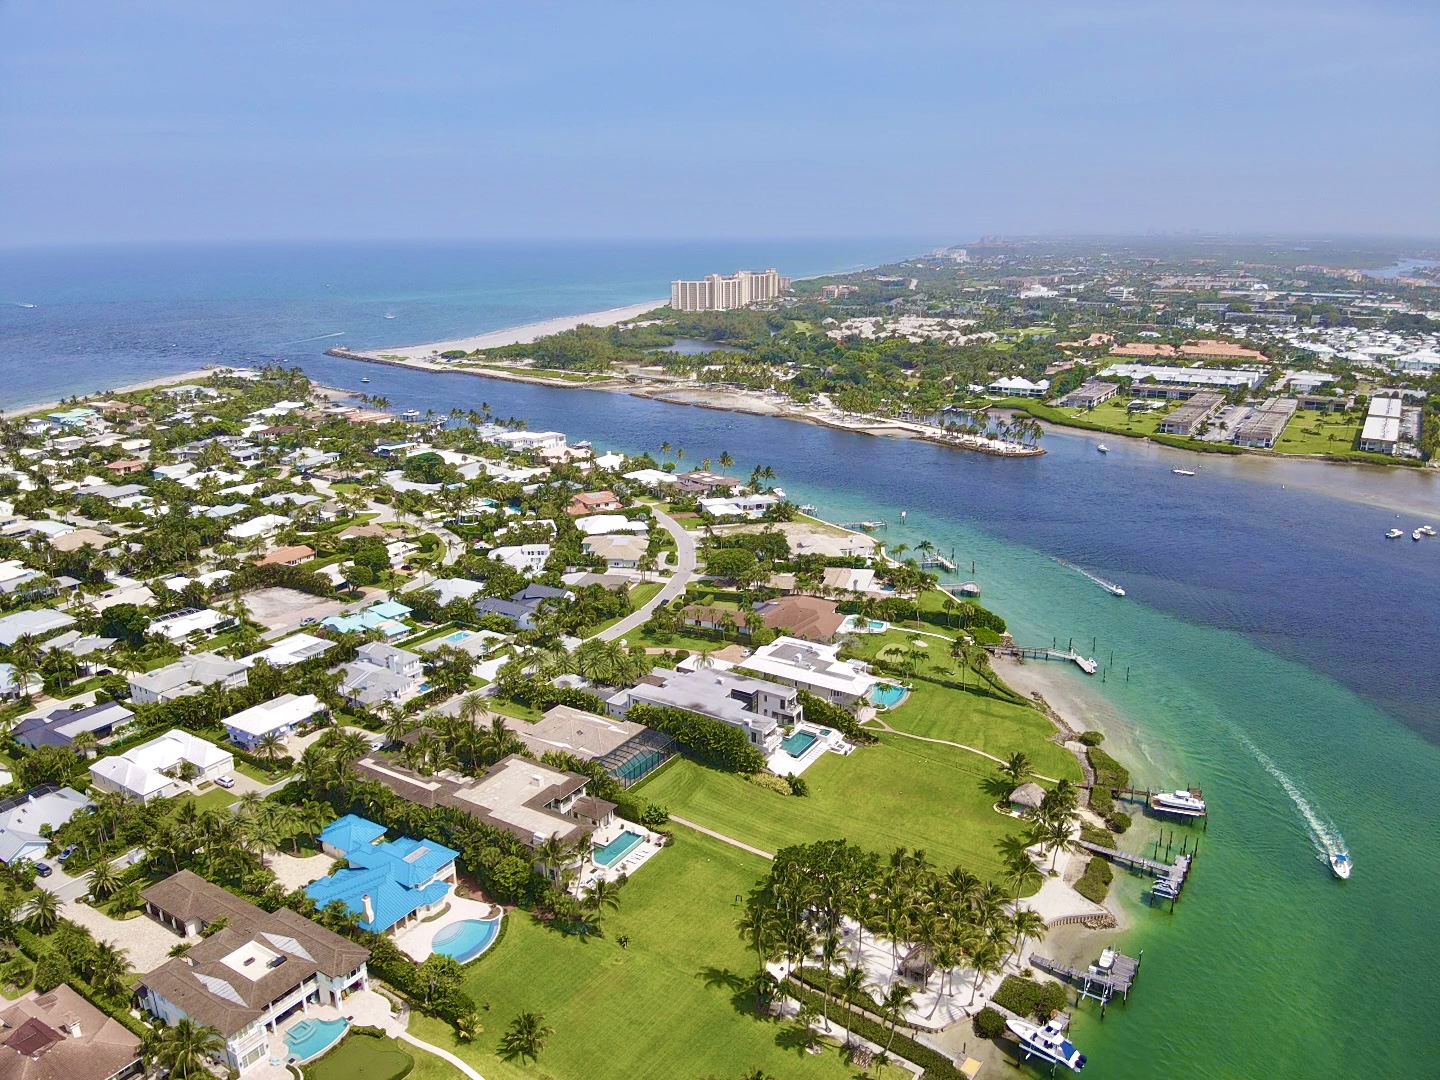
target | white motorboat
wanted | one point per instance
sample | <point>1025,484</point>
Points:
<point>1047,1042</point>
<point>1426,530</point>
<point>1340,864</point>
<point>1417,536</point>
<point>1182,472</point>
<point>1394,534</point>
<point>1103,448</point>
<point>1188,803</point>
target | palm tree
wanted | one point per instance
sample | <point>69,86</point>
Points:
<point>43,912</point>
<point>525,1037</point>
<point>850,984</point>
<point>108,967</point>
<point>1021,871</point>
<point>553,853</point>
<point>270,746</point>
<point>897,1000</point>
<point>104,880</point>
<point>1026,923</point>
<point>1017,766</point>
<point>185,1047</point>
<point>725,459</point>
<point>603,894</point>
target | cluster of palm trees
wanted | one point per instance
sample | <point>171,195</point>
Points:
<point>464,741</point>
<point>100,963</point>
<point>183,1049</point>
<point>226,846</point>
<point>1051,824</point>
<point>1021,429</point>
<point>821,899</point>
<point>604,663</point>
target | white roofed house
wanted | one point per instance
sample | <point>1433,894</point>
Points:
<point>280,716</point>
<point>188,675</point>
<point>28,821</point>
<point>257,527</point>
<point>814,668</point>
<point>1019,387</point>
<point>529,559</point>
<point>162,767</point>
<point>746,506</point>
<point>757,707</point>
<point>527,441</point>
<point>178,625</point>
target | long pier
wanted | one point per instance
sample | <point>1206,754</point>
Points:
<point>1028,652</point>
<point>1100,985</point>
<point>938,560</point>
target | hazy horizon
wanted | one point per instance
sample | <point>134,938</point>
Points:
<point>167,122</point>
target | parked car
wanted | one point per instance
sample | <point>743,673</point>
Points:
<point>42,870</point>
<point>70,850</point>
<point>227,782</point>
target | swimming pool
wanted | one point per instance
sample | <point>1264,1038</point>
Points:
<point>797,744</point>
<point>460,635</point>
<point>611,853</point>
<point>888,695</point>
<point>465,940</point>
<point>311,1038</point>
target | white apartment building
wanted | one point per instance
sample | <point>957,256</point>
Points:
<point>717,293</point>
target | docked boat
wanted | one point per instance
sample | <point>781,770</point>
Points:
<point>807,508</point>
<point>1182,472</point>
<point>1103,448</point>
<point>1188,803</point>
<point>1340,864</point>
<point>1048,1043</point>
<point>1394,534</point>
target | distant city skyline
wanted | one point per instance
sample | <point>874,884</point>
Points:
<point>175,122</point>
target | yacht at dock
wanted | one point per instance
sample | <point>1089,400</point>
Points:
<point>1047,1042</point>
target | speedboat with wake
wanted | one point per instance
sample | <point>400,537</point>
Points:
<point>1183,472</point>
<point>1188,803</point>
<point>1047,1042</point>
<point>1103,448</point>
<point>1340,864</point>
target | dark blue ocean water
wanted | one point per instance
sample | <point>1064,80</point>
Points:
<point>1279,651</point>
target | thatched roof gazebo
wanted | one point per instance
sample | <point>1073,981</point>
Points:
<point>1027,796</point>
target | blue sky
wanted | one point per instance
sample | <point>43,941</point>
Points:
<point>163,120</point>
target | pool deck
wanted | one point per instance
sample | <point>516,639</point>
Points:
<point>415,941</point>
<point>782,764</point>
<point>637,857</point>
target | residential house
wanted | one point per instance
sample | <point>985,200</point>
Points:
<point>618,552</point>
<point>293,555</point>
<point>256,527</point>
<point>522,607</point>
<point>58,1035</point>
<point>162,767</point>
<point>11,686</point>
<point>700,482</point>
<point>292,650</point>
<point>126,466</point>
<point>279,716</point>
<point>60,727</point>
<point>761,709</point>
<point>380,673</point>
<point>746,506</point>
<point>188,675</point>
<point>1019,387</point>
<point>390,884</point>
<point>33,622</point>
<point>246,978</point>
<point>814,668</point>
<point>178,625</point>
<point>592,502</point>
<point>806,617</point>
<point>27,820</point>
<point>529,559</point>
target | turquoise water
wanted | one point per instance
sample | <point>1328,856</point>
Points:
<point>459,635</point>
<point>465,940</point>
<point>611,853</point>
<point>887,695</point>
<point>310,1038</point>
<point>797,744</point>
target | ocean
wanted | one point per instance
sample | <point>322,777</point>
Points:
<point>1272,648</point>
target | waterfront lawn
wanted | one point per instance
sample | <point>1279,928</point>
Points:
<point>363,1056</point>
<point>1311,432</point>
<point>899,793</point>
<point>671,1004</point>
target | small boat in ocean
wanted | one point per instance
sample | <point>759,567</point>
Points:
<point>1417,536</point>
<point>1102,448</point>
<point>1187,803</point>
<point>1394,534</point>
<point>1048,1042</point>
<point>1426,530</point>
<point>1340,864</point>
<point>365,378</point>
<point>1183,472</point>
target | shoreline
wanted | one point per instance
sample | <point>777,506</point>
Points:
<point>16,411</point>
<point>519,335</point>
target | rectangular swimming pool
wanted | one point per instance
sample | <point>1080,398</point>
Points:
<point>797,744</point>
<point>611,853</point>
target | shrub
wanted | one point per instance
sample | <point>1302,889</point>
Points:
<point>989,1024</point>
<point>1119,822</point>
<point>828,714</point>
<point>1102,800</point>
<point>1108,772</point>
<point>51,970</point>
<point>1026,997</point>
<point>1092,738</point>
<point>776,784</point>
<point>798,786</point>
<point>715,742</point>
<point>1095,885</point>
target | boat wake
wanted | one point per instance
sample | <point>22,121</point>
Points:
<point>19,303</point>
<point>1324,835</point>
<point>1108,586</point>
<point>317,337</point>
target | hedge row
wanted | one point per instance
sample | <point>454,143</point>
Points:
<point>936,1065</point>
<point>713,741</point>
<point>33,947</point>
<point>1095,884</point>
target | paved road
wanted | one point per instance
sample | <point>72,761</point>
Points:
<point>684,571</point>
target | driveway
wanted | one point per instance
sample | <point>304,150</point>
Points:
<point>684,571</point>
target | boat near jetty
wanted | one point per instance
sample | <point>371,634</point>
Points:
<point>1048,1042</point>
<point>1185,803</point>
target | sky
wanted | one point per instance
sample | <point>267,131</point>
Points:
<point>175,121</point>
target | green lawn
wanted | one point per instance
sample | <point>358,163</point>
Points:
<point>214,799</point>
<point>244,768</point>
<point>1310,432</point>
<point>901,793</point>
<point>371,1057</point>
<point>669,1007</point>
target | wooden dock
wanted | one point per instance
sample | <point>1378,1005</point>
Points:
<point>1169,877</point>
<point>1146,796</point>
<point>1027,652</point>
<point>938,560</point>
<point>1092,983</point>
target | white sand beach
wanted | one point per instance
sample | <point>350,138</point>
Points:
<point>521,335</point>
<point>149,384</point>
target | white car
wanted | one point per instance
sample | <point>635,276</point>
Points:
<point>227,782</point>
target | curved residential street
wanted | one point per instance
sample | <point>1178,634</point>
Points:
<point>684,571</point>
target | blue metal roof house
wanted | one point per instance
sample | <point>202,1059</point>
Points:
<point>390,884</point>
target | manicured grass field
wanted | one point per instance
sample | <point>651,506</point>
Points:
<point>371,1057</point>
<point>1310,432</point>
<point>670,1006</point>
<point>901,793</point>
<point>214,799</point>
